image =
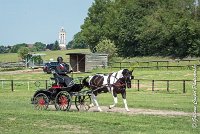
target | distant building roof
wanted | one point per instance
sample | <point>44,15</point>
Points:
<point>86,53</point>
<point>37,54</point>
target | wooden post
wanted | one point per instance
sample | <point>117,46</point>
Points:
<point>2,84</point>
<point>138,85</point>
<point>28,85</point>
<point>120,64</point>
<point>157,64</point>
<point>152,85</point>
<point>184,87</point>
<point>77,64</point>
<point>12,85</point>
<point>167,65</point>
<point>167,85</point>
<point>46,84</point>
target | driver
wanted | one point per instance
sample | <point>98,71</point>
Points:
<point>62,69</point>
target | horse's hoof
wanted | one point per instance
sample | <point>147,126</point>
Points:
<point>91,105</point>
<point>111,106</point>
<point>100,110</point>
<point>127,110</point>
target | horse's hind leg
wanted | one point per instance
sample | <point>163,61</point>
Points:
<point>94,99</point>
<point>124,100</point>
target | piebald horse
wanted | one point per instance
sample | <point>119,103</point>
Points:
<point>115,83</point>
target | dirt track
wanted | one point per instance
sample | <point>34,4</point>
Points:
<point>137,111</point>
<point>23,71</point>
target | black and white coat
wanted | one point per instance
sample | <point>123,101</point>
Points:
<point>115,83</point>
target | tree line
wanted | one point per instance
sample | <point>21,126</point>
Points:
<point>37,46</point>
<point>143,27</point>
<point>24,49</point>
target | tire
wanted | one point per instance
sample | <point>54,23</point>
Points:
<point>82,102</point>
<point>41,101</point>
<point>63,101</point>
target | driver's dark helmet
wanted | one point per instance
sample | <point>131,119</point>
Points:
<point>60,59</point>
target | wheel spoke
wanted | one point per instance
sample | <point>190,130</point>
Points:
<point>62,101</point>
<point>41,101</point>
<point>82,102</point>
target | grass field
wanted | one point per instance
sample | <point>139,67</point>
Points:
<point>17,115</point>
<point>13,57</point>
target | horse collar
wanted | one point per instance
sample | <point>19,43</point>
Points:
<point>116,75</point>
<point>108,81</point>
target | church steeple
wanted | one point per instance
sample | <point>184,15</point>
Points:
<point>62,38</point>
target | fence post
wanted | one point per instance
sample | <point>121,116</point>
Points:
<point>138,85</point>
<point>110,64</point>
<point>167,65</point>
<point>194,87</point>
<point>157,64</point>
<point>46,84</point>
<point>28,85</point>
<point>2,84</point>
<point>184,87</point>
<point>120,64</point>
<point>167,85</point>
<point>12,85</point>
<point>152,85</point>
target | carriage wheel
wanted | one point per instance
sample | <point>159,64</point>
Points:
<point>41,101</point>
<point>83,102</point>
<point>63,101</point>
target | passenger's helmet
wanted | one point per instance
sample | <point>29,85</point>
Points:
<point>60,59</point>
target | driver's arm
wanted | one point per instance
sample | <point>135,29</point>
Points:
<point>59,70</point>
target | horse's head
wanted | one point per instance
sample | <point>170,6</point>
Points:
<point>127,75</point>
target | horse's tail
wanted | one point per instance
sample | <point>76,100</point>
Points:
<point>85,82</point>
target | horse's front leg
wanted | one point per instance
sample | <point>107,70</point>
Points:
<point>94,99</point>
<point>114,94</point>
<point>124,100</point>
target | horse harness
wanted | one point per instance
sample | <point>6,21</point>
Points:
<point>108,81</point>
<point>109,85</point>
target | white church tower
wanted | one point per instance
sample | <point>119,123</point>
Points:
<point>62,39</point>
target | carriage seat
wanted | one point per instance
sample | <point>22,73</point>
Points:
<point>58,80</point>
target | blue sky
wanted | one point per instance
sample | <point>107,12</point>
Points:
<point>29,21</point>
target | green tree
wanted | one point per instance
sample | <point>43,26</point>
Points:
<point>16,47</point>
<point>78,41</point>
<point>4,49</point>
<point>93,29</point>
<point>56,46</point>
<point>39,46</point>
<point>143,27</point>
<point>70,44</point>
<point>168,31</point>
<point>23,52</point>
<point>108,47</point>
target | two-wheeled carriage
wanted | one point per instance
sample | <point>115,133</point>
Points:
<point>61,96</point>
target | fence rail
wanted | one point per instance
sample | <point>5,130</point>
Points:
<point>11,64</point>
<point>138,84</point>
<point>14,83</point>
<point>156,64</point>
